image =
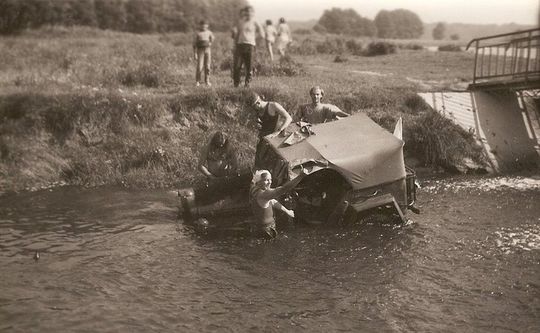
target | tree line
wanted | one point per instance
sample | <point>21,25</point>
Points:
<point>138,16</point>
<point>399,23</point>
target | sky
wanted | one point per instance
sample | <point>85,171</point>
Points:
<point>430,11</point>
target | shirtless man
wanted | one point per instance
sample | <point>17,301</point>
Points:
<point>262,199</point>
<point>317,112</point>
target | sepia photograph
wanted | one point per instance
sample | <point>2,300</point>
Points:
<point>269,166</point>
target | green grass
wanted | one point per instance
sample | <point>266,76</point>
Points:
<point>94,107</point>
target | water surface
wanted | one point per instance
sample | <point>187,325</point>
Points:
<point>116,260</point>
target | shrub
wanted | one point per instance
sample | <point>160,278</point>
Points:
<point>226,64</point>
<point>411,46</point>
<point>306,47</point>
<point>439,141</point>
<point>146,74</point>
<point>340,58</point>
<point>286,67</point>
<point>331,46</point>
<point>379,48</point>
<point>354,47</point>
<point>302,31</point>
<point>320,29</point>
<point>450,48</point>
<point>414,104</point>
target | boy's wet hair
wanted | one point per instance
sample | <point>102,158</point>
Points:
<point>268,22</point>
<point>282,20</point>
<point>203,22</point>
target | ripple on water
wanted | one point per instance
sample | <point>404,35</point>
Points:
<point>484,184</point>
<point>526,237</point>
<point>133,267</point>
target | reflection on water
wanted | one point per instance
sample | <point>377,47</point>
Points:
<point>115,260</point>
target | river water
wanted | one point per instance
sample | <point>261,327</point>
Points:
<point>116,260</point>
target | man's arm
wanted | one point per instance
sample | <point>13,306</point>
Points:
<point>203,163</point>
<point>259,30</point>
<point>235,33</point>
<point>335,111</point>
<point>300,113</point>
<point>284,117</point>
<point>195,46</point>
<point>233,159</point>
<point>283,209</point>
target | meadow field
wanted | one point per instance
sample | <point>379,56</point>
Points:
<point>89,107</point>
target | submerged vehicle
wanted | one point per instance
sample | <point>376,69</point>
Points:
<point>356,169</point>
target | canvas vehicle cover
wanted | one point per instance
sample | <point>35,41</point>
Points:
<point>356,147</point>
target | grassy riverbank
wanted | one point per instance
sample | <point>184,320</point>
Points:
<point>90,107</point>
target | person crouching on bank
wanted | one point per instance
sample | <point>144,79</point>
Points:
<point>218,158</point>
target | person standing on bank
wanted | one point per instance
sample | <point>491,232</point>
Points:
<point>246,31</point>
<point>262,199</point>
<point>201,48</point>
<point>270,33</point>
<point>284,36</point>
<point>317,112</point>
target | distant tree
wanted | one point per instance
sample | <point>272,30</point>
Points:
<point>386,27</point>
<point>454,36</point>
<point>320,29</point>
<point>222,14</point>
<point>439,31</point>
<point>171,16</point>
<point>408,24</point>
<point>110,14</point>
<point>16,15</point>
<point>84,13</point>
<point>399,23</point>
<point>364,27</point>
<point>140,16</point>
<point>10,13</point>
<point>346,21</point>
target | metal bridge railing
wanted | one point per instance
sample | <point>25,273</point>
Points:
<point>507,58</point>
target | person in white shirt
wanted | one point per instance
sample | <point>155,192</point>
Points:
<point>245,34</point>
<point>270,32</point>
<point>284,37</point>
